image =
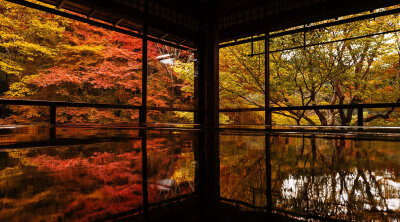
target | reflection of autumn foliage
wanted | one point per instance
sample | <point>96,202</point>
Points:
<point>89,182</point>
<point>242,169</point>
<point>99,185</point>
<point>336,178</point>
<point>80,183</point>
<point>22,134</point>
<point>18,134</point>
<point>170,166</point>
<point>176,178</point>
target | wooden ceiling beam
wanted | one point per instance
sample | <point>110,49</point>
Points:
<point>61,4</point>
<point>312,13</point>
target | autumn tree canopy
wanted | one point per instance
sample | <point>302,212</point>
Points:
<point>44,56</point>
<point>362,70</point>
<point>49,57</point>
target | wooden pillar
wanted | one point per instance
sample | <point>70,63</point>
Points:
<point>53,115</point>
<point>360,121</point>
<point>208,71</point>
<point>212,76</point>
<point>143,110</point>
<point>199,81</point>
<point>208,114</point>
<point>143,115</point>
<point>268,118</point>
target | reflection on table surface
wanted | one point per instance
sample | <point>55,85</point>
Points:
<point>88,174</point>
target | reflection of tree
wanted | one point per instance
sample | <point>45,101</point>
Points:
<point>170,166</point>
<point>84,183</point>
<point>336,178</point>
<point>243,169</point>
<point>355,187</point>
<point>81,183</point>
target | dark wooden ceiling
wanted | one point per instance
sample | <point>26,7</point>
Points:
<point>181,21</point>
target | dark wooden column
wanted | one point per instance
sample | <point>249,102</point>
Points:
<point>268,119</point>
<point>53,115</point>
<point>143,110</point>
<point>208,114</point>
<point>199,85</point>
<point>208,69</point>
<point>360,119</point>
